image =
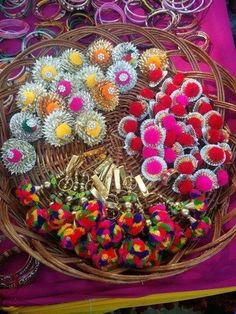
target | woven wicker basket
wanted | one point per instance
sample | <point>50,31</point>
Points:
<point>51,159</point>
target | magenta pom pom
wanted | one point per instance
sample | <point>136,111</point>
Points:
<point>169,122</point>
<point>76,104</point>
<point>170,155</point>
<point>204,183</point>
<point>64,88</point>
<point>222,177</point>
<point>182,100</point>
<point>150,152</point>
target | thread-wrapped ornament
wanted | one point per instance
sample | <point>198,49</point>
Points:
<point>106,95</point>
<point>58,215</point>
<point>27,96</point>
<point>37,219</point>
<point>70,235</point>
<point>72,60</point>
<point>107,233</point>
<point>89,213</point>
<point>155,257</point>
<point>126,52</point>
<point>123,75</point>
<point>91,127</point>
<point>18,156</point>
<point>85,247</point>
<point>132,223</point>
<point>48,103</point>
<point>134,253</point>
<point>26,126</point>
<point>89,76</point>
<point>25,192</point>
<point>158,213</point>
<point>58,128</point>
<point>99,53</point>
<point>105,259</point>
<point>46,70</point>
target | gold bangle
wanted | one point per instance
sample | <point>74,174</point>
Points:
<point>48,24</point>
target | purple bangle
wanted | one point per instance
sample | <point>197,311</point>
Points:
<point>182,8</point>
<point>109,6</point>
<point>9,28</point>
<point>132,16</point>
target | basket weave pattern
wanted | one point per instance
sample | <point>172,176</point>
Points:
<point>50,159</point>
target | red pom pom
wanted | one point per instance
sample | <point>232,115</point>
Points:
<point>155,75</point>
<point>195,122</point>
<point>185,139</point>
<point>216,154</point>
<point>198,132</point>
<point>205,90</point>
<point>178,79</point>
<point>178,110</point>
<point>136,144</point>
<point>191,90</point>
<point>186,167</point>
<point>204,107</point>
<point>215,121</point>
<point>214,136</point>
<point>170,138</point>
<point>157,107</point>
<point>228,157</point>
<point>136,109</point>
<point>170,88</point>
<point>185,186</point>
<point>165,100</point>
<point>197,155</point>
<point>130,126</point>
<point>147,93</point>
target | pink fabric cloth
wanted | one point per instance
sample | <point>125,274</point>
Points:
<point>50,287</point>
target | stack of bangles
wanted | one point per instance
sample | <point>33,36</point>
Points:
<point>22,276</point>
<point>38,8</point>
<point>74,5</point>
<point>15,8</point>
<point>78,19</point>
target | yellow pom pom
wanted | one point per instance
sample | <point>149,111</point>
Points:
<point>75,58</point>
<point>63,130</point>
<point>48,72</point>
<point>154,63</point>
<point>91,81</point>
<point>93,129</point>
<point>28,98</point>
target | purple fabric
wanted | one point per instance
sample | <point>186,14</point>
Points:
<point>50,287</point>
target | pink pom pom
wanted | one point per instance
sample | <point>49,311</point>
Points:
<point>64,88</point>
<point>149,152</point>
<point>14,155</point>
<point>178,129</point>
<point>182,100</point>
<point>204,183</point>
<point>170,155</point>
<point>76,104</point>
<point>154,167</point>
<point>222,177</point>
<point>151,136</point>
<point>169,122</point>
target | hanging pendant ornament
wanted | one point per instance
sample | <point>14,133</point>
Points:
<point>72,60</point>
<point>123,75</point>
<point>70,235</point>
<point>105,259</point>
<point>134,253</point>
<point>99,53</point>
<point>80,102</point>
<point>26,126</point>
<point>27,96</point>
<point>26,193</point>
<point>106,95</point>
<point>37,219</point>
<point>58,128</point>
<point>91,127</point>
<point>126,52</point>
<point>85,247</point>
<point>18,156</point>
<point>89,212</point>
<point>107,233</point>
<point>201,227</point>
<point>89,76</point>
<point>161,235</point>
<point>58,215</point>
<point>179,240</point>
<point>48,103</point>
<point>46,70</point>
